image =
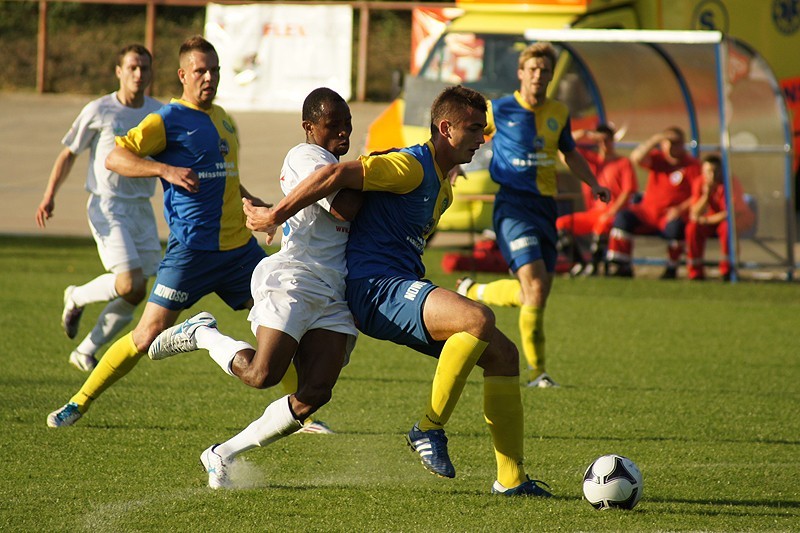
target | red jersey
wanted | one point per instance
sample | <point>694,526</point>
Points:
<point>669,185</point>
<point>617,175</point>
<point>717,202</point>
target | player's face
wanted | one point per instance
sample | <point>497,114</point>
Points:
<point>534,77</point>
<point>711,173</point>
<point>465,135</point>
<point>199,74</point>
<point>135,73</point>
<point>672,146</point>
<point>333,129</point>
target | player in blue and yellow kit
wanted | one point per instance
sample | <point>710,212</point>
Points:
<point>405,193</point>
<point>194,149</point>
<point>529,130</point>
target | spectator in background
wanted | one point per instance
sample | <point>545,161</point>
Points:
<point>119,211</point>
<point>664,209</point>
<point>708,216</point>
<point>613,171</point>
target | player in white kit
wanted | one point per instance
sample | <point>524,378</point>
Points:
<point>119,211</point>
<point>299,314</point>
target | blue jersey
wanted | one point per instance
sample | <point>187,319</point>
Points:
<point>406,195</point>
<point>526,142</point>
<point>182,135</point>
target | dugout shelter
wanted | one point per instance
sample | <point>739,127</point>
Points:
<point>718,89</point>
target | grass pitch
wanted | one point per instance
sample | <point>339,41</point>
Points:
<point>697,383</point>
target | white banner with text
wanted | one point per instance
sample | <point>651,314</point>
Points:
<point>272,56</point>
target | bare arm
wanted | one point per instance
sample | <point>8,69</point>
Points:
<point>128,164</point>
<point>641,154</point>
<point>317,185</point>
<point>61,169</point>
<point>578,165</point>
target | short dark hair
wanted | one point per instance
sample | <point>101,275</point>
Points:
<point>452,101</point>
<point>196,43</point>
<point>136,49</point>
<point>713,159</point>
<point>605,129</point>
<point>677,131</point>
<point>316,99</point>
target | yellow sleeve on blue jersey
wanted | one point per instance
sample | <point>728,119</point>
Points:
<point>148,138</point>
<point>490,127</point>
<point>395,172</point>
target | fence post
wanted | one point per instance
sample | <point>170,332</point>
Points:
<point>41,48</point>
<point>363,38</point>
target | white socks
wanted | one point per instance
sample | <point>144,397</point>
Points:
<point>100,289</point>
<point>276,422</point>
<point>113,318</point>
<point>221,348</point>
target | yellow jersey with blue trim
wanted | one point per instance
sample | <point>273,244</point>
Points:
<point>183,135</point>
<point>526,141</point>
<point>405,194</point>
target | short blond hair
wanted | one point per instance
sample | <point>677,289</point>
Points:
<point>540,49</point>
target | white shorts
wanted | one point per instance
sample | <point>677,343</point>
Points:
<point>290,298</point>
<point>126,234</point>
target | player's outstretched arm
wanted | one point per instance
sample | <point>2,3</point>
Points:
<point>128,164</point>
<point>318,184</point>
<point>61,169</point>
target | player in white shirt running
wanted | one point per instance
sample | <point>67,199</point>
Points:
<point>119,211</point>
<point>300,313</point>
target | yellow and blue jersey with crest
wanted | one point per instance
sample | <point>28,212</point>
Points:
<point>406,193</point>
<point>183,135</point>
<point>526,143</point>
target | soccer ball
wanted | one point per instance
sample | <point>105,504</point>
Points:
<point>613,481</point>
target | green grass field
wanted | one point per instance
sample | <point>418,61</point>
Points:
<point>697,383</point>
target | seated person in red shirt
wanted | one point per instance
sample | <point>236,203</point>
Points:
<point>613,171</point>
<point>664,208</point>
<point>708,216</point>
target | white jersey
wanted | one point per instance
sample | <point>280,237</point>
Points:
<point>96,126</point>
<point>313,236</point>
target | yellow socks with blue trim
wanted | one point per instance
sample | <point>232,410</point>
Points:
<point>531,332</point>
<point>458,358</point>
<point>118,360</point>
<point>502,409</point>
<point>503,293</point>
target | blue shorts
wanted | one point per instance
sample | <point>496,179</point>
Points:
<point>525,225</point>
<point>186,275</point>
<point>390,308</point>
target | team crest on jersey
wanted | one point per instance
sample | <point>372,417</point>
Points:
<point>224,149</point>
<point>228,126</point>
<point>552,124</point>
<point>676,178</point>
<point>538,143</point>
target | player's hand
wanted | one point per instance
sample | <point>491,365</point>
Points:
<point>44,212</point>
<point>601,193</point>
<point>184,178</point>
<point>258,202</point>
<point>259,218</point>
<point>455,173</point>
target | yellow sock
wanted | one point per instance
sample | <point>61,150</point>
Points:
<point>458,358</point>
<point>118,360</point>
<point>502,408</point>
<point>503,292</point>
<point>531,332</point>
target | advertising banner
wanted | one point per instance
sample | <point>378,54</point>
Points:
<point>272,56</point>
